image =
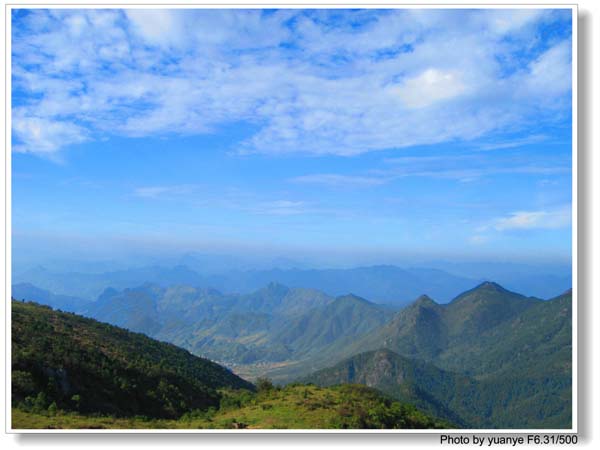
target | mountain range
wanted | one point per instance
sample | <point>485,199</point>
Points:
<point>384,284</point>
<point>73,372</point>
<point>488,358</point>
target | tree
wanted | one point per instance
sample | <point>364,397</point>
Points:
<point>264,384</point>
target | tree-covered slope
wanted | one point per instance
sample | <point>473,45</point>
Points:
<point>272,324</point>
<point>518,400</point>
<point>536,340</point>
<point>436,391</point>
<point>458,335</point>
<point>87,366</point>
<point>340,321</point>
<point>516,352</point>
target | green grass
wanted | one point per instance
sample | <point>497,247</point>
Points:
<point>292,407</point>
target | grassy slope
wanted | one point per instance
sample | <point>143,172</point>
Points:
<point>292,407</point>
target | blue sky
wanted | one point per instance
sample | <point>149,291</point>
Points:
<point>415,133</point>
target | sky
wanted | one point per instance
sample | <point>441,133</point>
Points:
<point>355,133</point>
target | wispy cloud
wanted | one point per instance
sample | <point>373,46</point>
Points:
<point>330,179</point>
<point>44,136</point>
<point>461,168</point>
<point>430,167</point>
<point>542,219</point>
<point>280,208</point>
<point>514,143</point>
<point>318,82</point>
<point>478,239</point>
<point>155,192</point>
<point>228,199</point>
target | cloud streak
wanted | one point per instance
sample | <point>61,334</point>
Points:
<point>336,180</point>
<point>459,168</point>
<point>156,192</point>
<point>530,220</point>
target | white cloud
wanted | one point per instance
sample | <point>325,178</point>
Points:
<point>430,87</point>
<point>161,27</point>
<point>549,76</point>
<point>361,82</point>
<point>44,136</point>
<point>527,220</point>
<point>503,21</point>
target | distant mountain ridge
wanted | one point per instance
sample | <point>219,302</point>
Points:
<point>380,283</point>
<point>24,291</point>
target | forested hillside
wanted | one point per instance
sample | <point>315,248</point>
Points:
<point>491,358</point>
<point>80,364</point>
<point>73,372</point>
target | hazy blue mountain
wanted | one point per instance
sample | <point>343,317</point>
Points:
<point>383,284</point>
<point>538,280</point>
<point>132,309</point>
<point>63,302</point>
<point>380,284</point>
<point>215,264</point>
<point>543,286</point>
<point>91,285</point>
